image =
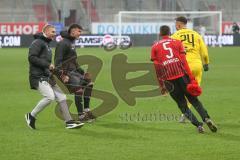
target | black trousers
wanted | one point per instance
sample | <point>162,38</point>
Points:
<point>76,83</point>
<point>177,89</point>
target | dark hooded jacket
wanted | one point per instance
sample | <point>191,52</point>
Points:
<point>39,57</point>
<point>66,55</point>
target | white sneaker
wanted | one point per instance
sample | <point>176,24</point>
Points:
<point>73,124</point>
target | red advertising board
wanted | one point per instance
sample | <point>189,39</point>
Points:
<point>20,28</point>
<point>227,27</point>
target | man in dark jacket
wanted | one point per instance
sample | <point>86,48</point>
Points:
<point>40,58</point>
<point>236,36</point>
<point>76,80</point>
<point>235,28</point>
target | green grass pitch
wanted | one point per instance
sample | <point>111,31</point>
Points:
<point>111,137</point>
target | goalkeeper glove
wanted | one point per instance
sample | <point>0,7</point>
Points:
<point>205,67</point>
<point>194,89</point>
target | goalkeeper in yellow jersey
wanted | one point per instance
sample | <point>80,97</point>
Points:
<point>196,50</point>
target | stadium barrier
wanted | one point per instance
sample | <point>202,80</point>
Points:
<point>11,41</point>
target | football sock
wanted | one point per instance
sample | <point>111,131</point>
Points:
<point>87,94</point>
<point>201,110</point>
<point>86,102</point>
<point>78,103</point>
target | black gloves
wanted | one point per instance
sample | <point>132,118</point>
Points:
<point>205,67</point>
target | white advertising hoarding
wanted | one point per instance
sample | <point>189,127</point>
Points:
<point>132,28</point>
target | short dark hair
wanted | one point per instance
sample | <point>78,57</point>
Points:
<point>165,30</point>
<point>72,26</point>
<point>182,19</point>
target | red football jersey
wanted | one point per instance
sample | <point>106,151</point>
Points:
<point>167,59</point>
